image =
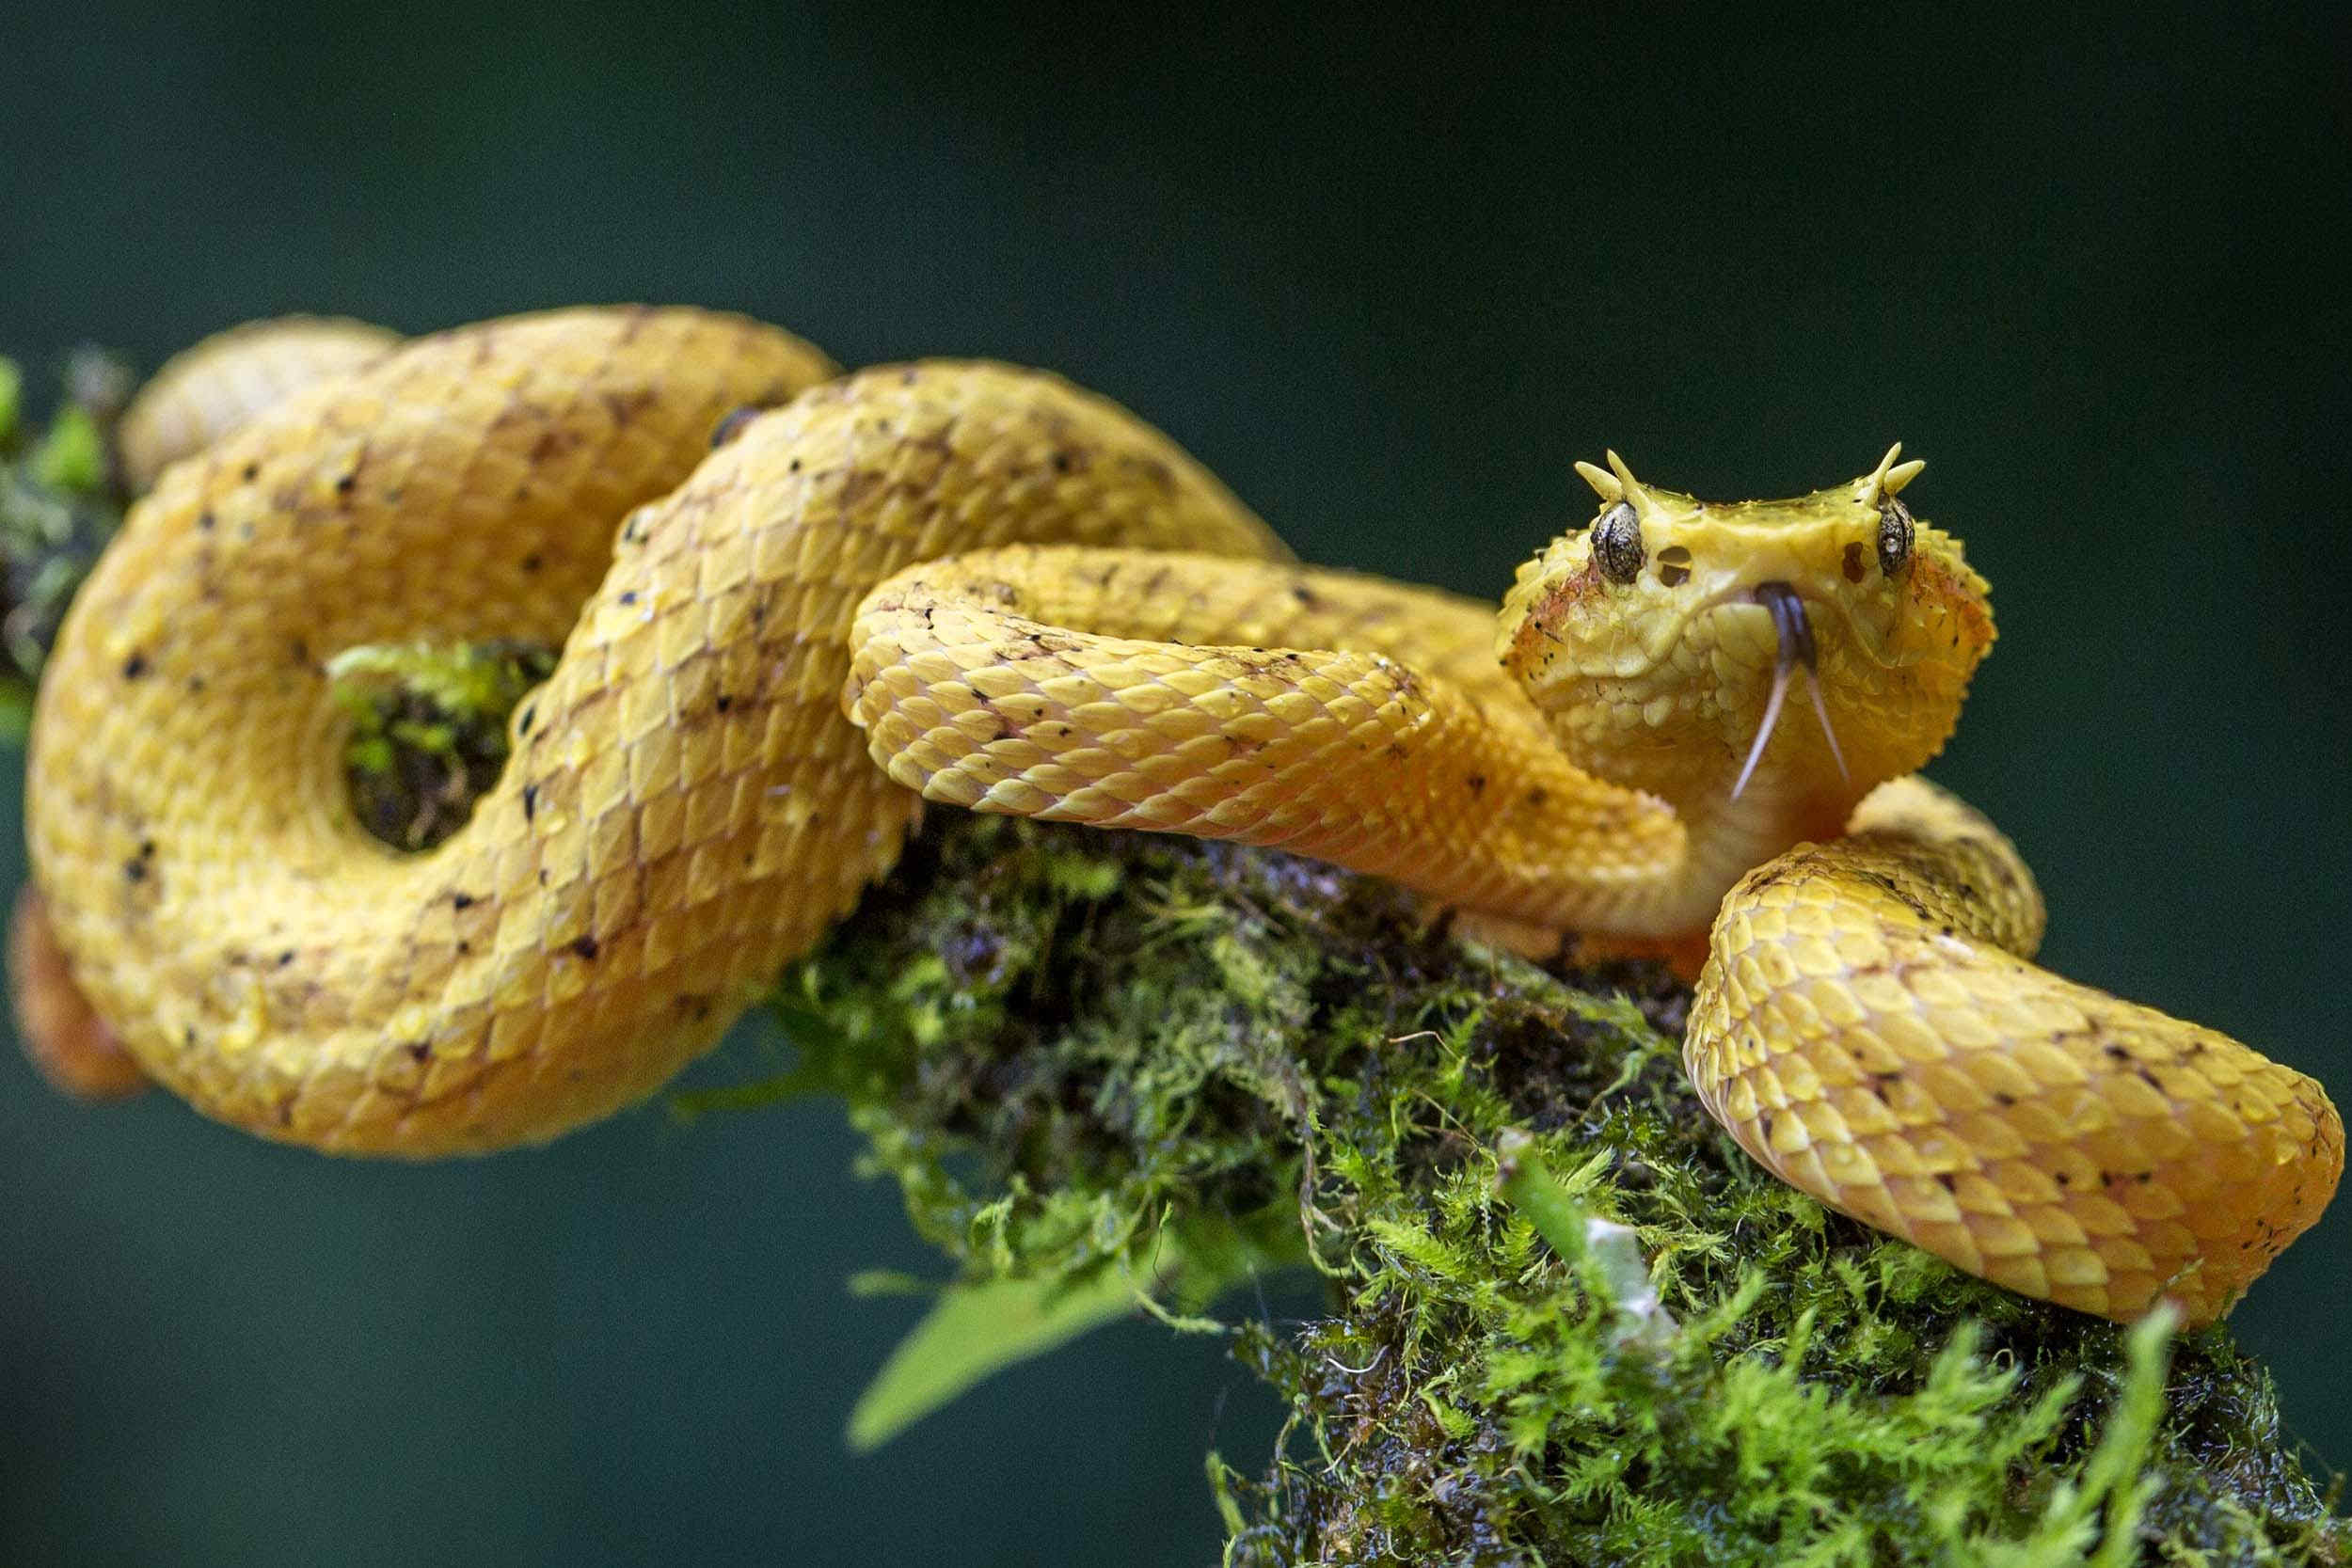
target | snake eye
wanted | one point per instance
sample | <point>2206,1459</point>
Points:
<point>1895,535</point>
<point>1617,542</point>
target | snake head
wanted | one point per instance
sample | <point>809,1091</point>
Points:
<point>1662,637</point>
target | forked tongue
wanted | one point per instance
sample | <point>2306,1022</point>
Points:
<point>1797,652</point>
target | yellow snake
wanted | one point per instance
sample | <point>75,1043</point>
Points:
<point>1017,597</point>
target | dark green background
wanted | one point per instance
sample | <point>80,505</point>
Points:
<point>1389,278</point>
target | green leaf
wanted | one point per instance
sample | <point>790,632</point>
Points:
<point>980,1328</point>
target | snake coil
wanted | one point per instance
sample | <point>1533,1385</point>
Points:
<point>979,585</point>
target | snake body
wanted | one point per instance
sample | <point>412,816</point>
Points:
<point>981,586</point>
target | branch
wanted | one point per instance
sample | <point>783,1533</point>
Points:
<point>1105,1065</point>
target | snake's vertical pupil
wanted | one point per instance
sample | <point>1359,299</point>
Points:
<point>1617,542</point>
<point>1896,533</point>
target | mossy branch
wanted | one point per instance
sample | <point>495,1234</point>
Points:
<point>1569,1321</point>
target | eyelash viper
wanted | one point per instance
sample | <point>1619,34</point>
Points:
<point>865,597</point>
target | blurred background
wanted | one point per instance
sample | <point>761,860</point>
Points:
<point>1388,280</point>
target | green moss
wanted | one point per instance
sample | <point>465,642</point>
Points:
<point>72,456</point>
<point>1568,1320</point>
<point>58,505</point>
<point>428,732</point>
